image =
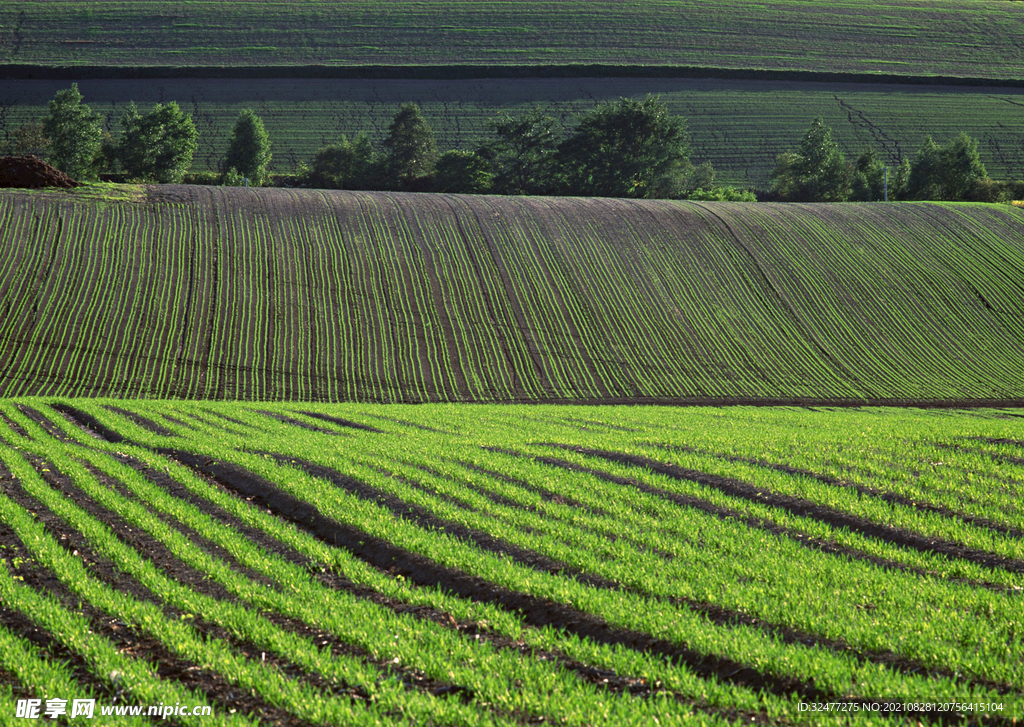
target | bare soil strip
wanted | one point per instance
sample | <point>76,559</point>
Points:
<point>807,508</point>
<point>147,424</point>
<point>349,423</point>
<point>509,502</point>
<point>797,536</point>
<point>536,612</point>
<point>892,497</point>
<point>614,683</point>
<point>173,567</point>
<point>219,692</point>
<point>425,519</point>
<point>728,617</point>
<point>301,424</point>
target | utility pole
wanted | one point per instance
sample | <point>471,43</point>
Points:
<point>886,183</point>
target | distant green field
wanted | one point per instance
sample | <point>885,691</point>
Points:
<point>281,294</point>
<point>740,126</point>
<point>908,37</point>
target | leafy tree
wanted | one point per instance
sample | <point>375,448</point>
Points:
<point>249,149</point>
<point>348,165</point>
<point>821,171</point>
<point>522,153</point>
<point>945,172</point>
<point>411,150</point>
<point>722,194</point>
<point>75,134</point>
<point>158,146</point>
<point>628,148</point>
<point>868,182</point>
<point>28,138</point>
<point>462,172</point>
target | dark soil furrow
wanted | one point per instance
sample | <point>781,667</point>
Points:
<point>105,571</point>
<point>88,423</point>
<point>194,537</point>
<point>49,648</point>
<point>218,692</point>
<point>48,426</point>
<point>874,492</point>
<point>514,504</point>
<point>403,422</point>
<point>997,457</point>
<point>344,422</point>
<point>537,612</point>
<point>15,427</point>
<point>178,422</point>
<point>809,509</point>
<point>722,616</point>
<point>545,494</point>
<point>993,440</point>
<point>147,424</point>
<point>425,519</point>
<point>609,680</point>
<point>301,424</point>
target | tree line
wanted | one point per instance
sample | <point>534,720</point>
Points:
<point>819,172</point>
<point>628,148</point>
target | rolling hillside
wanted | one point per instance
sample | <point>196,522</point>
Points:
<point>220,293</point>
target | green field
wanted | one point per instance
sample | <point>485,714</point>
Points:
<point>271,294</point>
<point>905,37</point>
<point>440,564</point>
<point>739,126</point>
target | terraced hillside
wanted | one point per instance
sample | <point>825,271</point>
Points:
<point>219,293</point>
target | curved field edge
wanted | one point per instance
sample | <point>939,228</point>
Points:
<point>243,538</point>
<point>219,293</point>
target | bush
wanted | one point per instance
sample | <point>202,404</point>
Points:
<point>249,149</point>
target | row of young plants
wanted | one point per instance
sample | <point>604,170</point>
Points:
<point>363,296</point>
<point>942,38</point>
<point>665,560</point>
<point>538,686</point>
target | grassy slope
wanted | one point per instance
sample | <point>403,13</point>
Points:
<point>298,294</point>
<point>940,37</point>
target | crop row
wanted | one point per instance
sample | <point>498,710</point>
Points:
<point>433,548</point>
<point>942,37</point>
<point>340,296</point>
<point>739,126</point>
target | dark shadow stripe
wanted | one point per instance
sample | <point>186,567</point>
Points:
<point>728,617</point>
<point>301,424</point>
<point>342,422</point>
<point>87,422</point>
<point>872,492</point>
<point>423,518</point>
<point>217,691</point>
<point>390,558</point>
<point>403,422</point>
<point>15,427</point>
<point>48,426</point>
<point>812,510</point>
<point>545,494</point>
<point>171,566</point>
<point>147,424</point>
<point>603,678</point>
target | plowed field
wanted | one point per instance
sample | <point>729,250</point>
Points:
<point>302,295</point>
<point>314,564</point>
